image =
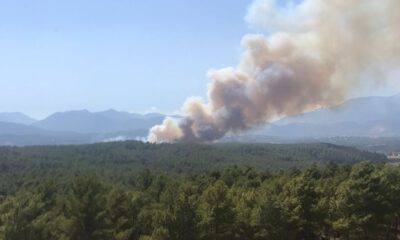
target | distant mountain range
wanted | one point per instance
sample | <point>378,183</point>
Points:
<point>9,128</point>
<point>75,127</point>
<point>98,122</point>
<point>16,117</point>
<point>361,117</point>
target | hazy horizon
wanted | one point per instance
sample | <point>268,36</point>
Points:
<point>150,111</point>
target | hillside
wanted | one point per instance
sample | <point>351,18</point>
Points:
<point>121,158</point>
<point>98,122</point>
<point>16,117</point>
<point>360,117</point>
<point>135,190</point>
<point>7,128</point>
<point>78,127</point>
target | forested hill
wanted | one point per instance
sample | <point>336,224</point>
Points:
<point>341,202</point>
<point>25,166</point>
<point>142,191</point>
<point>182,157</point>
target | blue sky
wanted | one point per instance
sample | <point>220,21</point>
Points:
<point>123,54</point>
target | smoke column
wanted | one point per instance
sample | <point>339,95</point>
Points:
<point>314,55</point>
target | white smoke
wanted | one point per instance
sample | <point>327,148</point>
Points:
<point>314,55</point>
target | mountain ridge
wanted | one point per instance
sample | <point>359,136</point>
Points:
<point>359,117</point>
<point>16,117</point>
<point>84,121</point>
<point>365,116</point>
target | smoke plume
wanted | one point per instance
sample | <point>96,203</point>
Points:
<point>314,55</point>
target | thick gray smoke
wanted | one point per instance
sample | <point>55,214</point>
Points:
<point>314,56</point>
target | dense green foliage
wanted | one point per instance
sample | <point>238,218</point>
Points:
<point>22,168</point>
<point>334,202</point>
<point>211,192</point>
<point>377,144</point>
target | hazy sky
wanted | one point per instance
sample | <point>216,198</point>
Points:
<point>123,54</point>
